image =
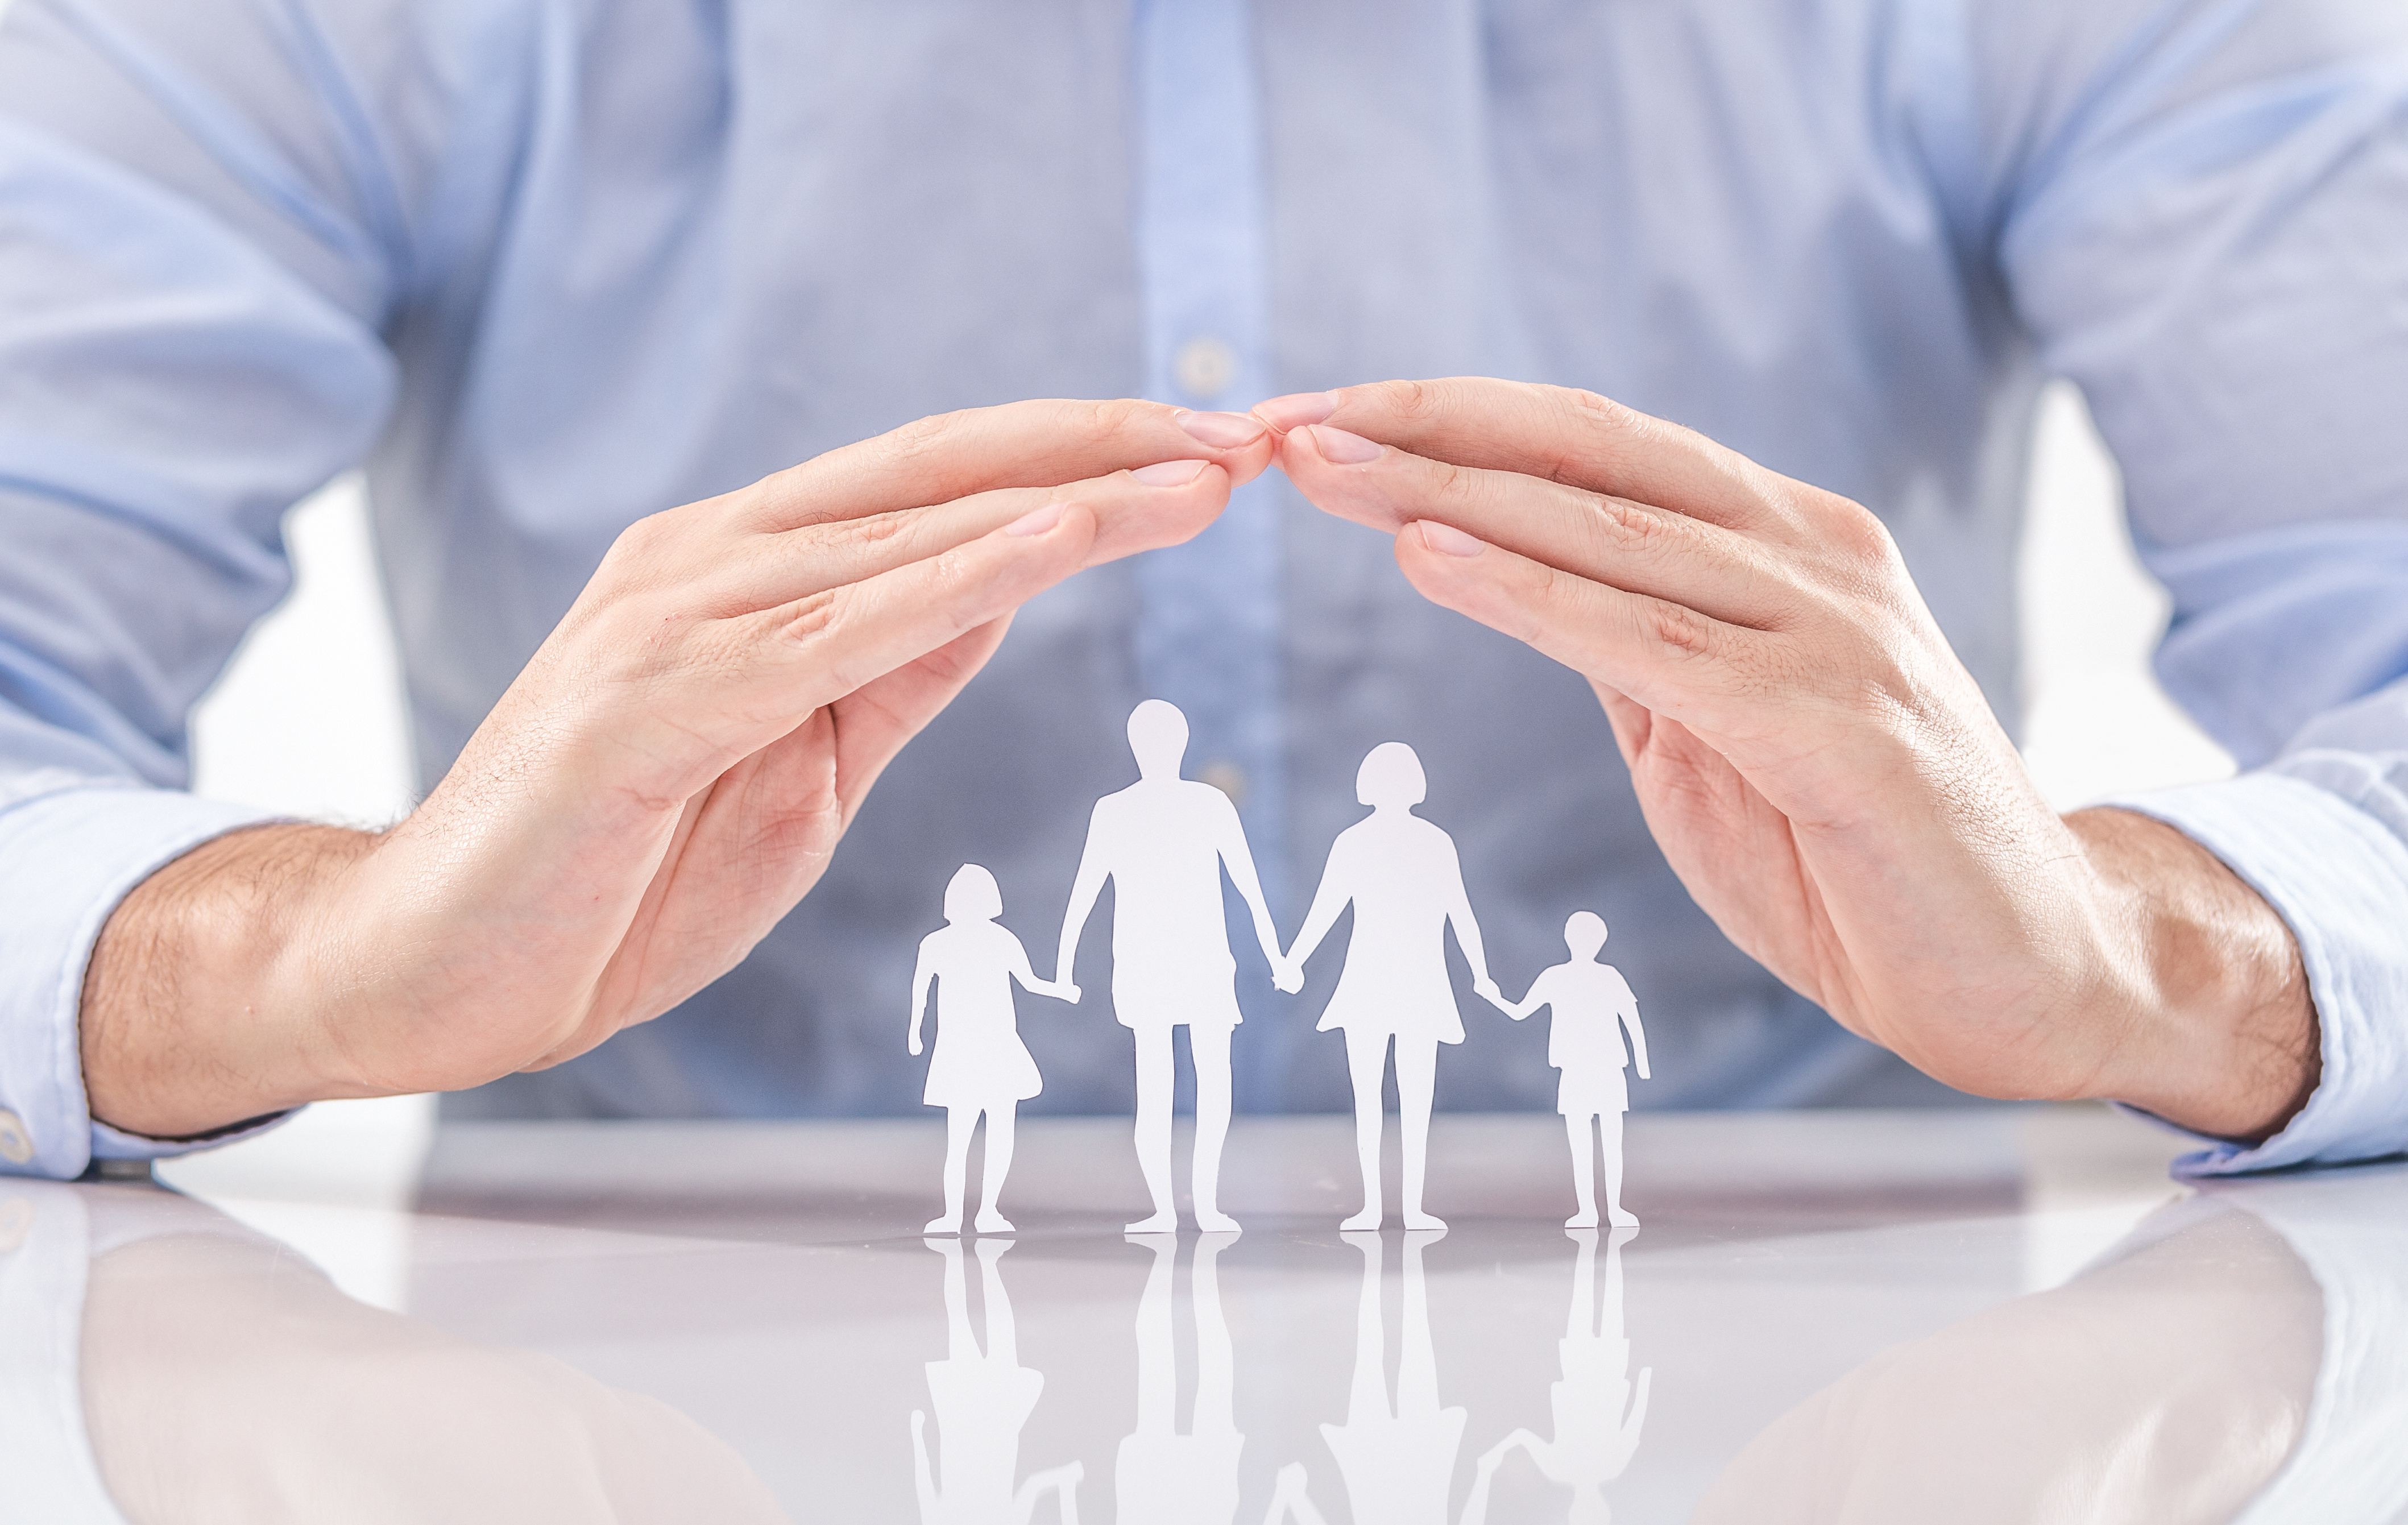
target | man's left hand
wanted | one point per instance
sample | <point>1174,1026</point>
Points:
<point>1820,769</point>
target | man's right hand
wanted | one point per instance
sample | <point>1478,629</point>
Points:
<point>663,781</point>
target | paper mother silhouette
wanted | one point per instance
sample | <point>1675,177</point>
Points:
<point>1163,842</point>
<point>981,1067</point>
<point>1401,875</point>
<point>1592,1003</point>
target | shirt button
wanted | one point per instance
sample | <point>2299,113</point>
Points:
<point>16,1144</point>
<point>1203,367</point>
<point>1229,778</point>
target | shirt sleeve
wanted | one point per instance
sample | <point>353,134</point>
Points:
<point>2195,212</point>
<point>199,239</point>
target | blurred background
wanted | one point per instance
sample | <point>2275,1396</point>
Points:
<point>309,720</point>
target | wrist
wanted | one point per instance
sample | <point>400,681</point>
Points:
<point>2213,1027</point>
<point>200,1007</point>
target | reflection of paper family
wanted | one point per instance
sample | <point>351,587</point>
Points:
<point>1395,1451</point>
<point>1164,843</point>
<point>982,1397</point>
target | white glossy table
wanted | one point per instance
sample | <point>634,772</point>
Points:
<point>1995,1315</point>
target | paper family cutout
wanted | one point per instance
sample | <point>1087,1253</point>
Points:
<point>1164,843</point>
<point>1395,1451</point>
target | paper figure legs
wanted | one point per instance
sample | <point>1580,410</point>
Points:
<point>980,1068</point>
<point>982,1399</point>
<point>1593,1008</point>
<point>1163,842</point>
<point>1598,1414</point>
<point>1163,1477</point>
<point>1397,1460</point>
<point>1401,875</point>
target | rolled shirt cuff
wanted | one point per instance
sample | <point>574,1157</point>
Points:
<point>2339,877</point>
<point>67,860</point>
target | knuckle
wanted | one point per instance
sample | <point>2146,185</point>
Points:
<point>922,437</point>
<point>1626,529</point>
<point>1413,402</point>
<point>812,617</point>
<point>1101,422</point>
<point>1677,630</point>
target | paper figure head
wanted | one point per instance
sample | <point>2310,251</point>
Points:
<point>1391,775</point>
<point>972,895</point>
<point>1157,733</point>
<point>1585,934</point>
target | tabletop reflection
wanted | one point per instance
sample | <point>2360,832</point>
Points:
<point>1597,1413</point>
<point>2234,1355</point>
<point>982,1397</point>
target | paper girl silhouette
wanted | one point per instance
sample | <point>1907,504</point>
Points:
<point>982,1399</point>
<point>1163,842</point>
<point>1597,1413</point>
<point>1402,877</point>
<point>1593,1005</point>
<point>981,1067</point>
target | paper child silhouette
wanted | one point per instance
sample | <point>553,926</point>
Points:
<point>981,1067</point>
<point>1591,1002</point>
<point>982,1399</point>
<point>1401,875</point>
<point>1597,1416</point>
<point>1163,842</point>
<point>1163,1477</point>
<point>1398,1462</point>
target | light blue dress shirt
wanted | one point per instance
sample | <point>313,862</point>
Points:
<point>546,266</point>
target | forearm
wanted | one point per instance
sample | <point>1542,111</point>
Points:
<point>2220,1032</point>
<point>199,1009</point>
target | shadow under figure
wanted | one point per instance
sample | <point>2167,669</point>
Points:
<point>981,1067</point>
<point>1405,881</point>
<point>982,1399</point>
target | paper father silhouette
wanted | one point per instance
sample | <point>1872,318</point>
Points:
<point>981,1067</point>
<point>1164,843</point>
<point>1591,1002</point>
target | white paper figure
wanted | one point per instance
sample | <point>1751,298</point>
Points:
<point>982,1399</point>
<point>1598,1414</point>
<point>1397,1460</point>
<point>1593,1007</point>
<point>1163,1477</point>
<point>1401,875</point>
<point>981,1067</point>
<point>1163,842</point>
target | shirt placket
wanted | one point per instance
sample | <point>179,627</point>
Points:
<point>1209,626</point>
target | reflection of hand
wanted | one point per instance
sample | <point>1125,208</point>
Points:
<point>659,785</point>
<point>216,1370</point>
<point>1815,762</point>
<point>2173,1380</point>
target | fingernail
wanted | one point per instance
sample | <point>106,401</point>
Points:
<point>1339,448</point>
<point>1222,431</point>
<point>1036,521</point>
<point>1169,473</point>
<point>1296,410</point>
<point>1448,540</point>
